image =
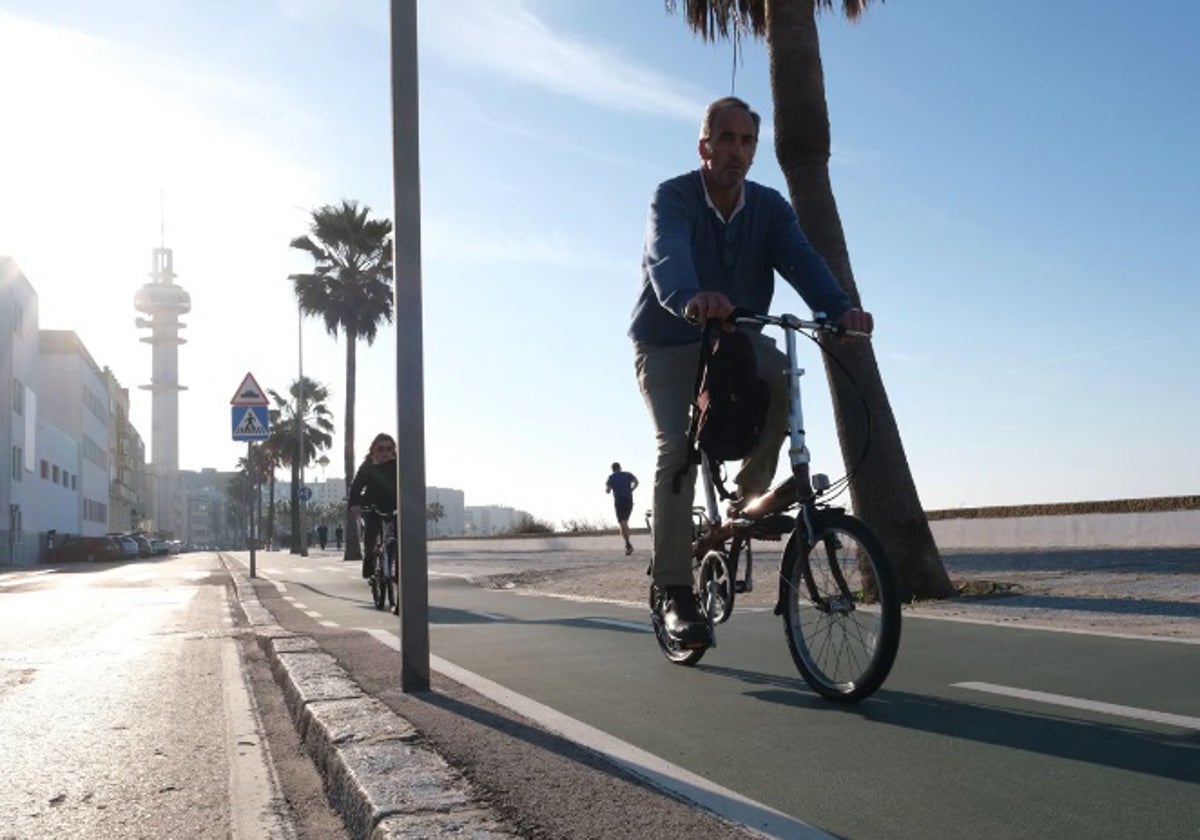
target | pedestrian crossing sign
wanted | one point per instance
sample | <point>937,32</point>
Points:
<point>251,422</point>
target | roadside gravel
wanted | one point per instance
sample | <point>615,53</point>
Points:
<point>1148,592</point>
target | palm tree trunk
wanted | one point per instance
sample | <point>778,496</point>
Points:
<point>883,491</point>
<point>270,532</point>
<point>353,549</point>
<point>296,535</point>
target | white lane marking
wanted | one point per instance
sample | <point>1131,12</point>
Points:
<point>254,788</point>
<point>492,616</point>
<point>329,624</point>
<point>310,613</point>
<point>1012,624</point>
<point>671,777</point>
<point>624,625</point>
<point>1182,721</point>
<point>21,577</point>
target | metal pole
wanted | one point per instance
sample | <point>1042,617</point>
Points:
<point>300,407</point>
<point>253,471</point>
<point>410,395</point>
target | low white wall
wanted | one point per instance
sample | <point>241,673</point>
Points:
<point>551,542</point>
<point>1166,529</point>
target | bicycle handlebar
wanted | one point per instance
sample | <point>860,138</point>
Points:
<point>371,509</point>
<point>791,322</point>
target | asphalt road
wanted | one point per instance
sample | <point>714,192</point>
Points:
<point>132,705</point>
<point>981,731</point>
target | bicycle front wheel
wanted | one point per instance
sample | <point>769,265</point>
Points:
<point>841,607</point>
<point>379,583</point>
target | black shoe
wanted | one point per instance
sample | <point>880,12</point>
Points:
<point>682,619</point>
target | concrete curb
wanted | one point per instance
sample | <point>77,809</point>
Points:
<point>379,778</point>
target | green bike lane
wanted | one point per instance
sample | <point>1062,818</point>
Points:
<point>926,756</point>
<point>931,754</point>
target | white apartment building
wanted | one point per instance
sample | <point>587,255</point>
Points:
<point>19,526</point>
<point>73,397</point>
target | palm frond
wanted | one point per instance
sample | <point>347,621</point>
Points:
<point>713,19</point>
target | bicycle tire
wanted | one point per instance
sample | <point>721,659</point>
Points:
<point>378,588</point>
<point>391,578</point>
<point>716,586</point>
<point>670,648</point>
<point>841,607</point>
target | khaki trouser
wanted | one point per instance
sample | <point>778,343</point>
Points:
<point>666,375</point>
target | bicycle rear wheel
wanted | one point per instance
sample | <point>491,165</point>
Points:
<point>841,607</point>
<point>716,586</point>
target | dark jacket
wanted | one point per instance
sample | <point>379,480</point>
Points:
<point>375,486</point>
<point>690,249</point>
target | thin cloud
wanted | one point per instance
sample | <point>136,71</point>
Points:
<point>504,37</point>
<point>453,243</point>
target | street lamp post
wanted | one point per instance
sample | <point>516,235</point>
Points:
<point>300,411</point>
<point>410,393</point>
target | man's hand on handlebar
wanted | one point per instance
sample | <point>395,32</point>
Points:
<point>708,305</point>
<point>855,321</point>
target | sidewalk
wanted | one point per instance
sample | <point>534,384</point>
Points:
<point>377,774</point>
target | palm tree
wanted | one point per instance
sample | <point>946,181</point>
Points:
<point>257,467</point>
<point>351,289</point>
<point>272,450</point>
<point>314,420</point>
<point>434,513</point>
<point>239,505</point>
<point>883,491</point>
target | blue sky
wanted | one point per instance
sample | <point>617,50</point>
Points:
<point>1017,182</point>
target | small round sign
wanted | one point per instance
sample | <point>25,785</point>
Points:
<point>305,494</point>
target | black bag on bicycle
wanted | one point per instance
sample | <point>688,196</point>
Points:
<point>731,401</point>
<point>729,408</point>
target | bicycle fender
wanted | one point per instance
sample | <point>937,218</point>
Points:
<point>790,554</point>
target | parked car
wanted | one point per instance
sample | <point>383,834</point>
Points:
<point>129,546</point>
<point>77,549</point>
<point>144,547</point>
<point>158,547</point>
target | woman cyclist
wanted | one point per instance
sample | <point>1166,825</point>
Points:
<point>374,486</point>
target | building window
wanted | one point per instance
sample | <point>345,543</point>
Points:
<point>56,474</point>
<point>18,397</point>
<point>45,468</point>
<point>18,319</point>
<point>72,482</point>
<point>18,456</point>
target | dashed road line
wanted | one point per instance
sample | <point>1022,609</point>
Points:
<point>1182,721</point>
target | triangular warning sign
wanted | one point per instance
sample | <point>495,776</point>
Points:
<point>248,393</point>
<point>249,426</point>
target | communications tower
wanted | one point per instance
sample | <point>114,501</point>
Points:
<point>164,302</point>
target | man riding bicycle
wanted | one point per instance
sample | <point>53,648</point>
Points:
<point>715,240</point>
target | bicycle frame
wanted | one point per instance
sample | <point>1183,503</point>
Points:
<point>798,488</point>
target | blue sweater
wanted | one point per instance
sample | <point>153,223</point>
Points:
<point>689,249</point>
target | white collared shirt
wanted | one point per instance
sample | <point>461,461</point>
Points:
<point>741,202</point>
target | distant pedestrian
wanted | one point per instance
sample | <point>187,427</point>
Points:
<point>622,484</point>
<point>322,535</point>
<point>338,535</point>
